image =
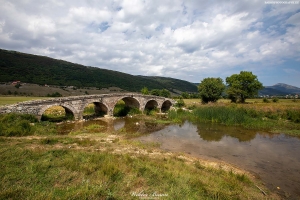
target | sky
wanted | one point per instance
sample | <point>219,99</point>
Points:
<point>188,40</point>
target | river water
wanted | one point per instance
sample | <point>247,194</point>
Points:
<point>274,158</point>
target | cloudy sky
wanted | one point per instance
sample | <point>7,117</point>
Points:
<point>188,40</point>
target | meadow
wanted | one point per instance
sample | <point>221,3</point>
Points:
<point>6,100</point>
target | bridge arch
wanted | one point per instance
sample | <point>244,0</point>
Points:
<point>166,106</point>
<point>100,108</point>
<point>120,109</point>
<point>69,110</point>
<point>151,104</point>
<point>131,102</point>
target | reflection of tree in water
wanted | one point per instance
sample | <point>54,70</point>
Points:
<point>215,132</point>
<point>133,125</point>
<point>209,132</point>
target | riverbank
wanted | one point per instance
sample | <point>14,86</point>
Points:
<point>279,117</point>
<point>94,164</point>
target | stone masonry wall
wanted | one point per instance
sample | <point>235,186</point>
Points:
<point>76,104</point>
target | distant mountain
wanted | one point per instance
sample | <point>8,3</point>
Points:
<point>286,88</point>
<point>42,70</point>
<point>280,89</point>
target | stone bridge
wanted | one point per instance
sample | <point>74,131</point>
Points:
<point>104,103</point>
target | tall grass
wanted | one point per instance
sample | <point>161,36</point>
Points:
<point>14,124</point>
<point>244,116</point>
<point>226,115</point>
<point>89,110</point>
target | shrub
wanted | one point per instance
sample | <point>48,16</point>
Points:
<point>293,115</point>
<point>275,100</point>
<point>265,100</point>
<point>55,94</point>
<point>180,103</point>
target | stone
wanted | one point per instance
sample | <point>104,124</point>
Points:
<point>103,102</point>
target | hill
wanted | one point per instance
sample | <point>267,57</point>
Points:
<point>43,70</point>
<point>285,88</point>
<point>170,83</point>
<point>279,89</point>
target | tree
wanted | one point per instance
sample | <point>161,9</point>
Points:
<point>180,103</point>
<point>162,93</point>
<point>185,95</point>
<point>155,92</point>
<point>242,86</point>
<point>165,93</point>
<point>210,89</point>
<point>145,91</point>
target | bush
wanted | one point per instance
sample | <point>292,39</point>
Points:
<point>265,100</point>
<point>122,110</point>
<point>293,115</point>
<point>180,103</point>
<point>275,100</point>
<point>56,94</point>
<point>151,111</point>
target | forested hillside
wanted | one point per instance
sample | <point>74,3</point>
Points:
<point>44,70</point>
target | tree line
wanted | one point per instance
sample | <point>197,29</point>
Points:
<point>238,87</point>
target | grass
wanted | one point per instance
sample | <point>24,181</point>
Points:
<point>23,125</point>
<point>6,100</point>
<point>106,167</point>
<point>89,110</point>
<point>282,116</point>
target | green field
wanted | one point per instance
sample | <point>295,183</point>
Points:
<point>6,100</point>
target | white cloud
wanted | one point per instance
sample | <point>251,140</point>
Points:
<point>185,40</point>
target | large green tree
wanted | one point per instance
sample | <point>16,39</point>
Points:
<point>242,86</point>
<point>210,89</point>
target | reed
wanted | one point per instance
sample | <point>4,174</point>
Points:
<point>248,117</point>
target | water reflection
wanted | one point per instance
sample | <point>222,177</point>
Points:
<point>215,132</point>
<point>126,124</point>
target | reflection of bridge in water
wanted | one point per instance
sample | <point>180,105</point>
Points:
<point>110,125</point>
<point>104,103</point>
